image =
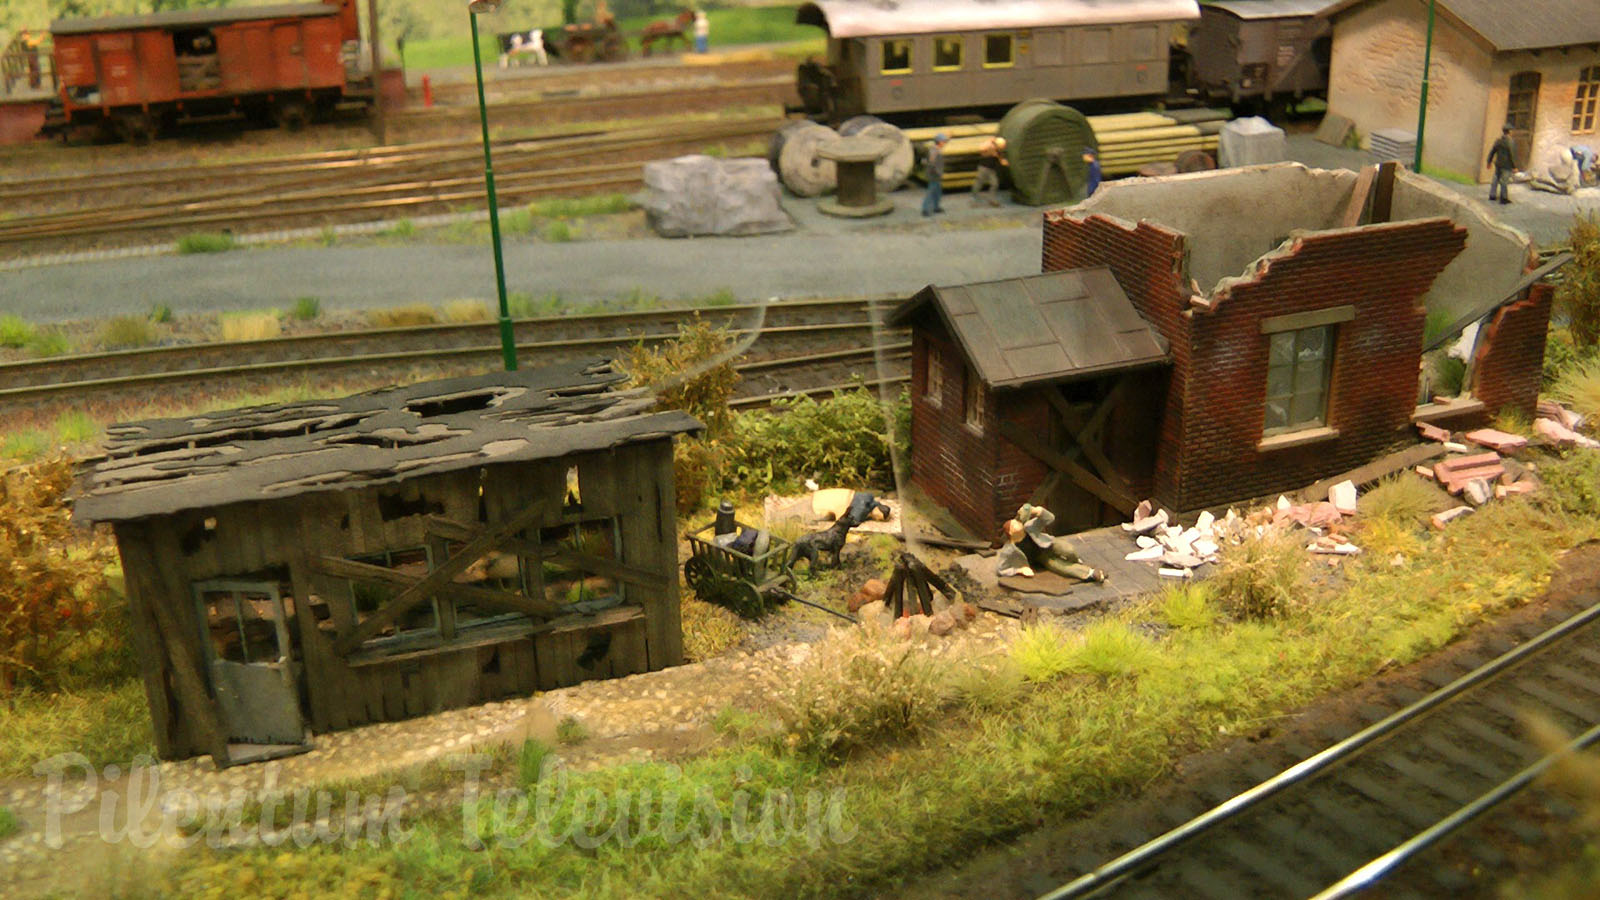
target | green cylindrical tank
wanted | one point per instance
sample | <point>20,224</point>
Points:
<point>1044,146</point>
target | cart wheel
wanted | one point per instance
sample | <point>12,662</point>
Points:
<point>695,572</point>
<point>739,596</point>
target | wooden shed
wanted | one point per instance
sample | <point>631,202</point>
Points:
<point>314,566</point>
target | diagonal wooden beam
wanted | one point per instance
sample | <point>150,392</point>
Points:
<point>1082,443</point>
<point>450,529</point>
<point>1085,479</point>
<point>357,571</point>
<point>440,576</point>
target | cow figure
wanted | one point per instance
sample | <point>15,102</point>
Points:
<point>522,44</point>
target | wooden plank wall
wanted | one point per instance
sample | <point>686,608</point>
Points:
<point>280,540</point>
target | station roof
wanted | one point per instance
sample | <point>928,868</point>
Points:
<point>869,18</point>
<point>1037,329</point>
<point>1271,9</point>
<point>192,17</point>
<point>258,453</point>
<point>1534,25</point>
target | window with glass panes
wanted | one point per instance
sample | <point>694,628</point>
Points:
<point>1298,363</point>
<point>1583,108</point>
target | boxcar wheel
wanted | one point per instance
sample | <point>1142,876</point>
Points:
<point>135,128</point>
<point>291,115</point>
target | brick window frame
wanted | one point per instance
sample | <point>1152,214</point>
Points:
<point>933,377</point>
<point>972,405</point>
<point>1587,99</point>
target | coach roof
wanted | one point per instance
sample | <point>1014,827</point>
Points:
<point>871,18</point>
<point>192,17</point>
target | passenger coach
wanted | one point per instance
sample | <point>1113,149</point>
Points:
<point>931,55</point>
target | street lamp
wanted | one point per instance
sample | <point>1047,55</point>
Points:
<point>508,344</point>
<point>1422,108</point>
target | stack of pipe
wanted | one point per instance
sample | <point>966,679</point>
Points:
<point>1128,141</point>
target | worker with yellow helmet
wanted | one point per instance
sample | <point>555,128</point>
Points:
<point>990,158</point>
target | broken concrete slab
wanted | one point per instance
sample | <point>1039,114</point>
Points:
<point>1433,432</point>
<point>1343,497</point>
<point>1442,519</point>
<point>1146,554</point>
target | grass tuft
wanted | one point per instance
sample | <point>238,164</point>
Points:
<point>708,629</point>
<point>1404,498</point>
<point>1579,388</point>
<point>127,333</point>
<point>402,229</point>
<point>571,731</point>
<point>251,326</point>
<point>305,309</point>
<point>403,316</point>
<point>1187,605</point>
<point>1041,653</point>
<point>161,314</point>
<point>76,427</point>
<point>8,823</point>
<point>49,343</point>
<point>15,331</point>
<point>206,242</point>
<point>1261,578</point>
<point>25,445</point>
<point>531,758</point>
<point>580,207</point>
<point>467,311</point>
<point>1113,650</point>
<point>558,232</point>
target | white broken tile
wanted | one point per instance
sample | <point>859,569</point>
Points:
<point>1147,554</point>
<point>1456,447</point>
<point>1343,497</point>
<point>1205,547</point>
<point>1174,573</point>
<point>1283,502</point>
<point>1145,541</point>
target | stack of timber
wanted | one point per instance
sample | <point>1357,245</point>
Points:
<point>1127,141</point>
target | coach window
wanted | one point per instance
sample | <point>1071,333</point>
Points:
<point>947,54</point>
<point>896,57</point>
<point>997,51</point>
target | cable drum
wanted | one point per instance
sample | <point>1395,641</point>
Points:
<point>1044,146</point>
<point>894,167</point>
<point>793,155</point>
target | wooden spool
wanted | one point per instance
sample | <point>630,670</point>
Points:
<point>894,167</point>
<point>793,154</point>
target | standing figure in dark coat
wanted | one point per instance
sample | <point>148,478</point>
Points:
<point>1500,158</point>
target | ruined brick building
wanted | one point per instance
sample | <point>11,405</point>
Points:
<point>1205,339</point>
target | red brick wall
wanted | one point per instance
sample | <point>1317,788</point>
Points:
<point>958,467</point>
<point>1018,474</point>
<point>1215,405</point>
<point>1511,353</point>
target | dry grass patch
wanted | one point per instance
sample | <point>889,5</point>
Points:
<point>708,629</point>
<point>251,326</point>
<point>403,316</point>
<point>1579,388</point>
<point>461,311</point>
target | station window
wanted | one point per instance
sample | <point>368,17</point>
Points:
<point>997,51</point>
<point>896,57</point>
<point>933,382</point>
<point>1298,363</point>
<point>947,54</point>
<point>972,401</point>
<point>1583,108</point>
<point>421,620</point>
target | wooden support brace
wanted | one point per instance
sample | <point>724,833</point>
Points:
<point>440,577</point>
<point>505,600</point>
<point>1082,440</point>
<point>1121,501</point>
<point>456,531</point>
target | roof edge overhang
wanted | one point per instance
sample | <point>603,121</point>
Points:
<point>1139,365</point>
<point>859,18</point>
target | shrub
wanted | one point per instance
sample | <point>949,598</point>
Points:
<point>856,686</point>
<point>401,316</point>
<point>1041,652</point>
<point>206,242</point>
<point>161,314</point>
<point>45,590</point>
<point>840,440</point>
<point>558,232</point>
<point>1261,578</point>
<point>1578,294</point>
<point>571,731</point>
<point>306,308</point>
<point>467,311</point>
<point>15,332</point>
<point>1579,388</point>
<point>48,343</point>
<point>25,445</point>
<point>1112,650</point>
<point>1561,353</point>
<point>693,372</point>
<point>1446,374</point>
<point>127,333</point>
<point>251,326</point>
<point>1187,605</point>
<point>1572,483</point>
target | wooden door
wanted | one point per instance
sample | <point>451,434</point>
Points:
<point>248,661</point>
<point>1522,114</point>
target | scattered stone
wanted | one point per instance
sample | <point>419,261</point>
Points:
<point>1147,524</point>
<point>941,623</point>
<point>1562,435</point>
<point>1478,491</point>
<point>1520,487</point>
<point>1433,432</point>
<point>1179,559</point>
<point>1442,519</point>
<point>1456,447</point>
<point>1426,472</point>
<point>1549,409</point>
<point>871,592</point>
<point>1145,542</point>
<point>1333,544</point>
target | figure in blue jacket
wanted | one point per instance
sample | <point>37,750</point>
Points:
<point>1093,162</point>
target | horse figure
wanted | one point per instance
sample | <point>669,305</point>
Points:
<point>669,32</point>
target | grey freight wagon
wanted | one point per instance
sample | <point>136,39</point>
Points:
<point>1260,53</point>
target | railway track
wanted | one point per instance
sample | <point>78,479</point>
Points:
<point>1341,821</point>
<point>808,346</point>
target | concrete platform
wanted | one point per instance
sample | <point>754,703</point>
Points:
<point>1102,548</point>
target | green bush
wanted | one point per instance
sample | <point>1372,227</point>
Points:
<point>1578,294</point>
<point>693,373</point>
<point>15,332</point>
<point>306,308</point>
<point>839,440</point>
<point>571,731</point>
<point>1572,483</point>
<point>558,233</point>
<point>206,242</point>
<point>48,343</point>
<point>127,333</point>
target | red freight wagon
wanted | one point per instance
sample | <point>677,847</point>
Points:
<point>137,74</point>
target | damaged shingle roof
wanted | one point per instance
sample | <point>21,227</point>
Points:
<point>1042,328</point>
<point>162,466</point>
<point>1525,25</point>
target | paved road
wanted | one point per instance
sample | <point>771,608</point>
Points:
<point>798,264</point>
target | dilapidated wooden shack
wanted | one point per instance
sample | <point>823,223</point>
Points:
<point>314,566</point>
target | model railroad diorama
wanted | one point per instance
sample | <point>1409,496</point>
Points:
<point>1203,367</point>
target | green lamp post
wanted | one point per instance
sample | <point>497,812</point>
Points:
<point>1422,107</point>
<point>508,344</point>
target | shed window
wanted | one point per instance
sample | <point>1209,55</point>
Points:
<point>241,623</point>
<point>933,381</point>
<point>566,577</point>
<point>1298,363</point>
<point>972,401</point>
<point>496,571</point>
<point>997,51</point>
<point>947,54</point>
<point>1583,108</point>
<point>896,57</point>
<point>367,598</point>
